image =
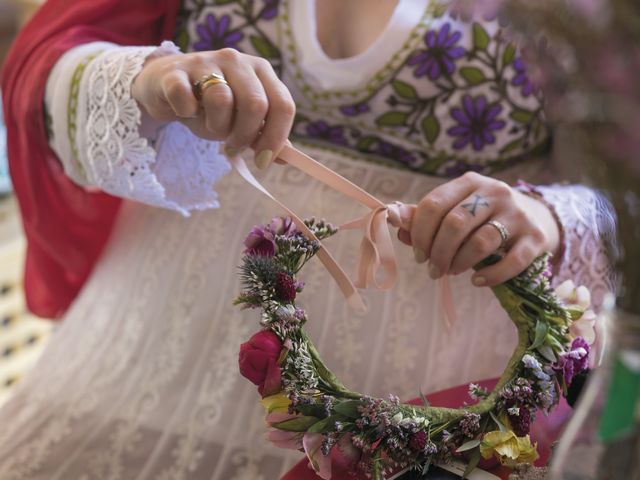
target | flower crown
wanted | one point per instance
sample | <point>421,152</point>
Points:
<point>309,408</point>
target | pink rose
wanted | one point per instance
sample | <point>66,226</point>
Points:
<point>258,361</point>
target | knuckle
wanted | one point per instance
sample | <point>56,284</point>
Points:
<point>456,220</point>
<point>431,204</point>
<point>262,64</point>
<point>502,189</point>
<point>523,258</point>
<point>257,104</point>
<point>480,243</point>
<point>538,234</point>
<point>229,55</point>
<point>472,177</point>
<point>284,105</point>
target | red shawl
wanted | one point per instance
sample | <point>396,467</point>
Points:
<point>66,227</point>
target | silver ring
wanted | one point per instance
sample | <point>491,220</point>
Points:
<point>504,232</point>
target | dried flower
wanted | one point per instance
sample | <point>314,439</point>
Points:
<point>508,448</point>
<point>285,287</point>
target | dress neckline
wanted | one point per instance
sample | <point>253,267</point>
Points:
<point>345,73</point>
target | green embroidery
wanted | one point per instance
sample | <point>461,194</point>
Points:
<point>72,108</point>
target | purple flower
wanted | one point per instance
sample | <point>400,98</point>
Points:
<point>270,9</point>
<point>460,168</point>
<point>476,122</point>
<point>469,424</point>
<point>440,54</point>
<point>353,110</point>
<point>522,79</point>
<point>322,130</point>
<point>396,153</point>
<point>574,361</point>
<point>214,34</point>
<point>262,239</point>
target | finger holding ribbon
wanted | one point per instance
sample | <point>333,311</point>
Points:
<point>463,221</point>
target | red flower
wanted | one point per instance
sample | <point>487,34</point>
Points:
<point>285,287</point>
<point>258,362</point>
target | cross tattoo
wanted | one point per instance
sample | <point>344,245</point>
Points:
<point>478,201</point>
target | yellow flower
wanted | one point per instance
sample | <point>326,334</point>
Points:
<point>278,403</point>
<point>508,448</point>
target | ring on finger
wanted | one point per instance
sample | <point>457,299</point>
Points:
<point>502,230</point>
<point>207,81</point>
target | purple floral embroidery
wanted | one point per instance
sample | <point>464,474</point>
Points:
<point>324,131</point>
<point>476,122</point>
<point>214,34</point>
<point>460,168</point>
<point>398,154</point>
<point>440,54</point>
<point>522,79</point>
<point>270,9</point>
<point>353,110</point>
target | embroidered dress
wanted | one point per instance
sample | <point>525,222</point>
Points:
<point>140,380</point>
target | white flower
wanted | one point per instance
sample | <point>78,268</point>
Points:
<point>397,418</point>
<point>584,327</point>
<point>571,295</point>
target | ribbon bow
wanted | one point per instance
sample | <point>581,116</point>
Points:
<point>376,249</point>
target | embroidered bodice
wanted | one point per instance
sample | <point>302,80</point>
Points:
<point>450,95</point>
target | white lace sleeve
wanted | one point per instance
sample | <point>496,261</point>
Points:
<point>589,225</point>
<point>96,133</point>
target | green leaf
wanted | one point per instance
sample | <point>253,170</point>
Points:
<point>575,313</point>
<point>542,328</point>
<point>509,54</point>
<point>364,143</point>
<point>498,422</point>
<point>404,90</point>
<point>472,75</point>
<point>299,424</point>
<point>348,408</point>
<point>522,116</point>
<point>264,47</point>
<point>474,460</point>
<point>392,119</point>
<point>313,410</point>
<point>468,446</point>
<point>547,352</point>
<point>182,40</point>
<point>430,128</point>
<point>481,38</point>
<point>327,424</point>
<point>511,146</point>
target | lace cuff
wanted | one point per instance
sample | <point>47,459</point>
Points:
<point>97,136</point>
<point>588,227</point>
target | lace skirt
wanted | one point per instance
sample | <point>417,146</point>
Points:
<point>141,380</point>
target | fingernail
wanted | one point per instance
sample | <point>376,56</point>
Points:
<point>479,281</point>
<point>434,272</point>
<point>419,254</point>
<point>230,151</point>
<point>264,159</point>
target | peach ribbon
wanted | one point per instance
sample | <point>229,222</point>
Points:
<point>376,250</point>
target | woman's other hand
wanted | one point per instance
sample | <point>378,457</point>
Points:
<point>254,110</point>
<point>450,229</point>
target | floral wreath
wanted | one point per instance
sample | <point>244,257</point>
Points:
<point>309,408</point>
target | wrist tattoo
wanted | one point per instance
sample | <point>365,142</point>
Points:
<point>478,202</point>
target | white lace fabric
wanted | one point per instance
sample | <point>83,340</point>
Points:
<point>178,174</point>
<point>589,225</point>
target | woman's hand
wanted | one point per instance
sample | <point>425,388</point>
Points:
<point>450,229</point>
<point>254,110</point>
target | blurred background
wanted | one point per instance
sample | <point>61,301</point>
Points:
<point>22,336</point>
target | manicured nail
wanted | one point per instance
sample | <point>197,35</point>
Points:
<point>263,159</point>
<point>434,272</point>
<point>230,151</point>
<point>479,281</point>
<point>419,254</point>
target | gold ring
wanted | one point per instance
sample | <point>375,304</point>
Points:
<point>208,81</point>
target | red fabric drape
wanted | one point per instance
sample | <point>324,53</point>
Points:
<point>66,227</point>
